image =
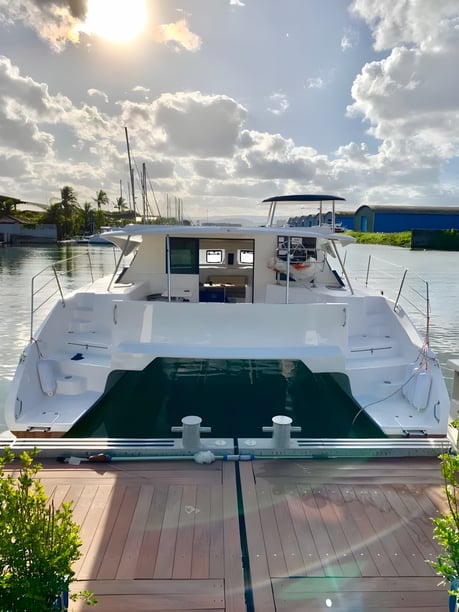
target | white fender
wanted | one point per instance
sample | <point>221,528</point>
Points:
<point>46,376</point>
<point>417,389</point>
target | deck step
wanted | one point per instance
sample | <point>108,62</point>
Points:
<point>80,325</point>
<point>71,385</point>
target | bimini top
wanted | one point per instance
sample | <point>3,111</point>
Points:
<point>315,197</point>
<point>304,198</point>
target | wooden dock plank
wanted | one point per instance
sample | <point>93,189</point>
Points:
<point>134,537</point>
<point>115,546</point>
<point>369,537</point>
<point>200,563</point>
<point>102,538</point>
<point>167,541</point>
<point>290,547</point>
<point>356,542</point>
<point>312,565</point>
<point>185,533</point>
<point>359,594</point>
<point>259,567</point>
<point>311,504</point>
<point>380,470</point>
<point>415,531</point>
<point>232,557</point>
<point>272,537</point>
<point>333,524</point>
<point>386,522</point>
<point>145,595</point>
<point>218,520</point>
<point>149,549</point>
<point>58,493</point>
<point>90,526</point>
<point>342,532</point>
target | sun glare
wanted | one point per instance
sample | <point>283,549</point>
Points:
<point>116,20</point>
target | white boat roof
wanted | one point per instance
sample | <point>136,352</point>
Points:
<point>136,232</point>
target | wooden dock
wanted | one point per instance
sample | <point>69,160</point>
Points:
<point>267,535</point>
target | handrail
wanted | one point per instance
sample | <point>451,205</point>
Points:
<point>408,291</point>
<point>53,278</point>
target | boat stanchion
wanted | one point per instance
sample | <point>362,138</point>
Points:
<point>191,430</point>
<point>281,428</point>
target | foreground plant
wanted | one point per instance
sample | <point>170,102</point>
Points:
<point>446,526</point>
<point>38,542</point>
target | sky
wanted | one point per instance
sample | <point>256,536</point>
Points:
<point>228,102</point>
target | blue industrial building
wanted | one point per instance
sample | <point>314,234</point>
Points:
<point>387,219</point>
<point>343,220</point>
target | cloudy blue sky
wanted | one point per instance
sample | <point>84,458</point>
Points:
<point>231,101</point>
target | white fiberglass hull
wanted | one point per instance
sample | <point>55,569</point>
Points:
<point>82,349</point>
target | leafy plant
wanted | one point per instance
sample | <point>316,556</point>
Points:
<point>446,526</point>
<point>38,542</point>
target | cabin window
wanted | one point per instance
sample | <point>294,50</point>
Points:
<point>184,255</point>
<point>301,248</point>
<point>215,256</point>
<point>245,256</point>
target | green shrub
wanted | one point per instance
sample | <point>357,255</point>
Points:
<point>38,542</point>
<point>446,526</point>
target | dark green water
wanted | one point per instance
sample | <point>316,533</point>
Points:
<point>236,398</point>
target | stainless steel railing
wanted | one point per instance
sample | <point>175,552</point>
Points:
<point>407,290</point>
<point>47,284</point>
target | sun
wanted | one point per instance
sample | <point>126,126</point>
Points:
<point>115,20</point>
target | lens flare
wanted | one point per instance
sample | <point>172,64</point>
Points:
<point>115,20</point>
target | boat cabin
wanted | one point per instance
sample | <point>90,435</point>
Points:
<point>232,265</point>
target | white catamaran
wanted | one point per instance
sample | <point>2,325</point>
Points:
<point>195,301</point>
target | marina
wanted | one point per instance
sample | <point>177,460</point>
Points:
<point>220,389</point>
<point>340,524</point>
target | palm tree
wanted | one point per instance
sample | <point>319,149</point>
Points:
<point>101,199</point>
<point>121,203</point>
<point>65,213</point>
<point>69,203</point>
<point>87,218</point>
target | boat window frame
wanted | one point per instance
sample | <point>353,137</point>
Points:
<point>193,266</point>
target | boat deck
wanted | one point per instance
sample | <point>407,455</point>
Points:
<point>266,535</point>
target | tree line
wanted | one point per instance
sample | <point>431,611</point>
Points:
<point>73,219</point>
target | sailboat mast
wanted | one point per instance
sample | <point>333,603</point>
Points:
<point>131,172</point>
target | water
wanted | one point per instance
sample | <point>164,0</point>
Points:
<point>235,398</point>
<point>19,264</point>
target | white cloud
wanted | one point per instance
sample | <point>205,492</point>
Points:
<point>141,89</point>
<point>59,22</point>
<point>55,21</point>
<point>196,124</point>
<point>179,35</point>
<point>97,92</point>
<point>422,23</point>
<point>315,83</point>
<point>349,40</point>
<point>410,98</point>
<point>279,103</point>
